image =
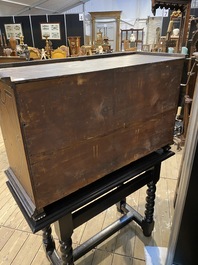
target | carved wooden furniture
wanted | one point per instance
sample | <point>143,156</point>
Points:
<point>102,43</point>
<point>138,33</point>
<point>47,45</point>
<point>74,45</point>
<point>13,45</point>
<point>3,44</point>
<point>58,53</point>
<point>86,50</point>
<point>101,15</point>
<point>172,4</point>
<point>182,5</point>
<point>175,39</point>
<point>127,46</point>
<point>34,53</point>
<point>66,49</point>
<point>1,51</point>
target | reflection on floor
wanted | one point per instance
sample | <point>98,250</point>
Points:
<point>19,246</point>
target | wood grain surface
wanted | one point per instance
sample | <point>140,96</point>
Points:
<point>18,245</point>
<point>84,120</point>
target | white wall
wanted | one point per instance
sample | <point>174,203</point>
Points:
<point>145,9</point>
<point>128,7</point>
<point>131,9</point>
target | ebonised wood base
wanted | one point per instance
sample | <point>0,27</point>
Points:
<point>119,184</point>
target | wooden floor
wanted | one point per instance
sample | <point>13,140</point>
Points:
<point>18,246</point>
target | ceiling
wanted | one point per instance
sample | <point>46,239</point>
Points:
<point>31,7</point>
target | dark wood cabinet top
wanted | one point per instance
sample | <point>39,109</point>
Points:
<point>51,70</point>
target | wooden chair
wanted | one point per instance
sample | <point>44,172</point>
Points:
<point>66,49</point>
<point>34,53</point>
<point>146,48</point>
<point>127,46</point>
<point>58,54</point>
<point>86,49</point>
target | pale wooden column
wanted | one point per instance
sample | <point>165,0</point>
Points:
<point>117,33</point>
<point>93,29</point>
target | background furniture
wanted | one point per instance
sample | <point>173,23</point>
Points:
<point>58,53</point>
<point>183,239</point>
<point>69,26</point>
<point>127,46</point>
<point>176,46</point>
<point>138,33</point>
<point>184,6</point>
<point>74,45</point>
<point>66,49</point>
<point>86,50</point>
<point>172,4</point>
<point>106,15</point>
<point>34,53</point>
<point>11,59</point>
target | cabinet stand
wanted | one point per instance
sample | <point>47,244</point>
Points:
<point>79,207</point>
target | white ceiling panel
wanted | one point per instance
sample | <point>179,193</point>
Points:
<point>60,6</point>
<point>6,9</point>
<point>28,7</point>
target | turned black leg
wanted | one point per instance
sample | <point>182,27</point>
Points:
<point>64,230</point>
<point>66,252</point>
<point>148,222</point>
<point>48,240</point>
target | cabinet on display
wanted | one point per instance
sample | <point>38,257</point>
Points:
<point>68,124</point>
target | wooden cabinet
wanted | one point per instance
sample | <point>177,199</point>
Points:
<point>67,124</point>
